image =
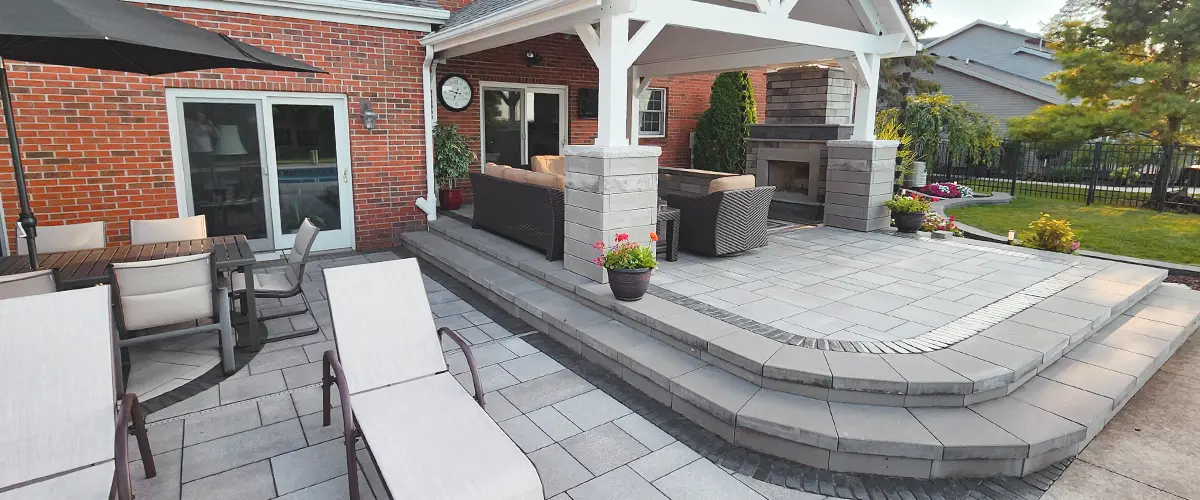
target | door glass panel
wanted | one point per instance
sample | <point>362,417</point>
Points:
<point>502,127</point>
<point>226,169</point>
<point>306,155</point>
<point>542,113</point>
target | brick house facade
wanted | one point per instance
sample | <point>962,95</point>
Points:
<point>98,145</point>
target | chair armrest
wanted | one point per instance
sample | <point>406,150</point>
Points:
<point>332,374</point>
<point>466,349</point>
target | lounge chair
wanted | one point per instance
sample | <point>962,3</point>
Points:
<point>428,438</point>
<point>59,402</point>
<point>26,284</point>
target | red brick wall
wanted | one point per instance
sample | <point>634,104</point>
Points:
<point>566,62</point>
<point>96,144</point>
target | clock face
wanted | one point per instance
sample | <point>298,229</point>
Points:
<point>455,93</point>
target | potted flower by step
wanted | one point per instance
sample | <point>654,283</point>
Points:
<point>629,265</point>
<point>452,159</point>
<point>908,212</point>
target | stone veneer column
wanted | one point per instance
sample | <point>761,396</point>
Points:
<point>861,177</point>
<point>610,190</point>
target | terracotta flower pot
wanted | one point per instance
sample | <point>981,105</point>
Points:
<point>451,199</point>
<point>629,284</point>
<point>909,222</point>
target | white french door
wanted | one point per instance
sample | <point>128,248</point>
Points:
<point>522,121</point>
<point>258,164</point>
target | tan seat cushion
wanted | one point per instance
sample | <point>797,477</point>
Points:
<point>517,174</point>
<point>495,170</point>
<point>731,183</point>
<point>556,165</point>
<point>547,180</point>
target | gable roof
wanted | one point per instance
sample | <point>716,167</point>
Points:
<point>1033,88</point>
<point>479,9</point>
<point>981,22</point>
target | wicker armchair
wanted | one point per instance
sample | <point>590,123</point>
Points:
<point>526,213</point>
<point>724,222</point>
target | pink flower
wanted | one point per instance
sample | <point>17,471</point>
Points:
<point>1074,246</point>
<point>599,245</point>
<point>598,261</point>
<point>622,237</point>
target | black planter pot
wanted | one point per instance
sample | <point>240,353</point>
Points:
<point>628,284</point>
<point>909,222</point>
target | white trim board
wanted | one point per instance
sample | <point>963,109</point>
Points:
<point>357,12</point>
<point>981,22</point>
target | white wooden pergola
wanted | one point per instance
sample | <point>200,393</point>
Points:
<point>632,41</point>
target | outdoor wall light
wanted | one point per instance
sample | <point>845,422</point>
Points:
<point>368,115</point>
<point>532,58</point>
<point>1012,236</point>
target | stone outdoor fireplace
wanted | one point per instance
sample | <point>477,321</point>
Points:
<point>806,107</point>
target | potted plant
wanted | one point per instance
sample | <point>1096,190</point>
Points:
<point>908,212</point>
<point>452,159</point>
<point>629,265</point>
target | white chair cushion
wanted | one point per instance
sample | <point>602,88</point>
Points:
<point>382,325</point>
<point>165,291</point>
<point>432,441</point>
<point>271,282</point>
<point>143,232</point>
<point>26,284</point>
<point>92,483</point>
<point>66,238</point>
<point>57,411</point>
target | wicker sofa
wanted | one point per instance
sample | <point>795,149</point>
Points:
<point>731,218</point>
<point>521,205</point>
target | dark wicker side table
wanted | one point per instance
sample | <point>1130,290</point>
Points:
<point>668,230</point>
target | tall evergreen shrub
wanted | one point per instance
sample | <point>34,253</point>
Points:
<point>721,132</point>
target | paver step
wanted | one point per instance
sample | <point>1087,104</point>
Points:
<point>1052,416</point>
<point>988,365</point>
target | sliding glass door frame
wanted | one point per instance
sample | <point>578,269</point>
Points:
<point>277,240</point>
<point>527,90</point>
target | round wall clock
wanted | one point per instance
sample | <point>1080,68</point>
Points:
<point>455,93</point>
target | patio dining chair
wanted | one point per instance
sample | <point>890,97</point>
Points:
<point>145,232</point>
<point>282,282</point>
<point>66,435</point>
<point>429,439</point>
<point>26,284</point>
<point>71,237</point>
<point>167,292</point>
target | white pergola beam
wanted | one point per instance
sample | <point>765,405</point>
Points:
<point>786,6</point>
<point>765,6</point>
<point>642,39</point>
<point>591,40</point>
<point>738,60</point>
<point>868,15</point>
<point>613,63</point>
<point>703,16</point>
<point>864,68</point>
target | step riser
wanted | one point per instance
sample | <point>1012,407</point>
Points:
<point>811,449</point>
<point>824,389</point>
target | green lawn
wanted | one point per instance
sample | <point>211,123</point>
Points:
<point>1128,231</point>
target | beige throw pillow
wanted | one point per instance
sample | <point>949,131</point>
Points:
<point>731,183</point>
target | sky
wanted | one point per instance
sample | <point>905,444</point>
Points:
<point>1024,14</point>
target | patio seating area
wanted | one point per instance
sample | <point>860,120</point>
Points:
<point>860,352</point>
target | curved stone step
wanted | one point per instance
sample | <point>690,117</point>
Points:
<point>1050,417</point>
<point>984,366</point>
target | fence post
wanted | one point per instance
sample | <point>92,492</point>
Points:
<point>1016,164</point>
<point>1091,195</point>
<point>1164,176</point>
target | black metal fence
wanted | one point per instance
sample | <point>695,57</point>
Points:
<point>1161,178</point>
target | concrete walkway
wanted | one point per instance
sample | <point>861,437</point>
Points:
<point>1151,450</point>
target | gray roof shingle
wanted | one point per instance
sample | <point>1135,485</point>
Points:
<point>479,9</point>
<point>424,4</point>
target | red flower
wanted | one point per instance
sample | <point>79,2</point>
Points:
<point>622,237</point>
<point>599,245</point>
<point>653,236</point>
<point>598,261</point>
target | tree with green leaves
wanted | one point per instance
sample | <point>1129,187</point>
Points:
<point>1131,65</point>
<point>896,75</point>
<point>721,131</point>
<point>928,121</point>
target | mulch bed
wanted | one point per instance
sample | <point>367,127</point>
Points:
<point>1191,281</point>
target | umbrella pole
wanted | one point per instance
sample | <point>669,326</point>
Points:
<point>26,218</point>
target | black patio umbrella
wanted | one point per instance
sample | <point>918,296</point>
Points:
<point>111,35</point>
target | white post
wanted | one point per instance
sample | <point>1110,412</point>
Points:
<point>635,106</point>
<point>613,63</point>
<point>868,96</point>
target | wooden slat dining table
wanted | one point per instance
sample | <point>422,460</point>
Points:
<point>84,268</point>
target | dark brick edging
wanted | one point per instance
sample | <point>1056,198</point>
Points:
<point>773,470</point>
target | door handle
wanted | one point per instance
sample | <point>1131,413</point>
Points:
<point>345,176</point>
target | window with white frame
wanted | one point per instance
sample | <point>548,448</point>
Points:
<point>654,113</point>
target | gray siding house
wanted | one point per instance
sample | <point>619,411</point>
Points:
<point>997,68</point>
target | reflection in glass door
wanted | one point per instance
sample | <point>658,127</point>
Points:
<point>520,122</point>
<point>226,167</point>
<point>307,166</point>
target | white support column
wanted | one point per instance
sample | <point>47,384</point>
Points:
<point>613,63</point>
<point>635,106</point>
<point>867,66</point>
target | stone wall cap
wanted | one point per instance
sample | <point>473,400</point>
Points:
<point>858,143</point>
<point>612,151</point>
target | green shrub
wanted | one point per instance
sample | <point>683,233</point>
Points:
<point>907,205</point>
<point>452,155</point>
<point>626,254</point>
<point>1051,234</point>
<point>1065,174</point>
<point>721,131</point>
<point>1124,176</point>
